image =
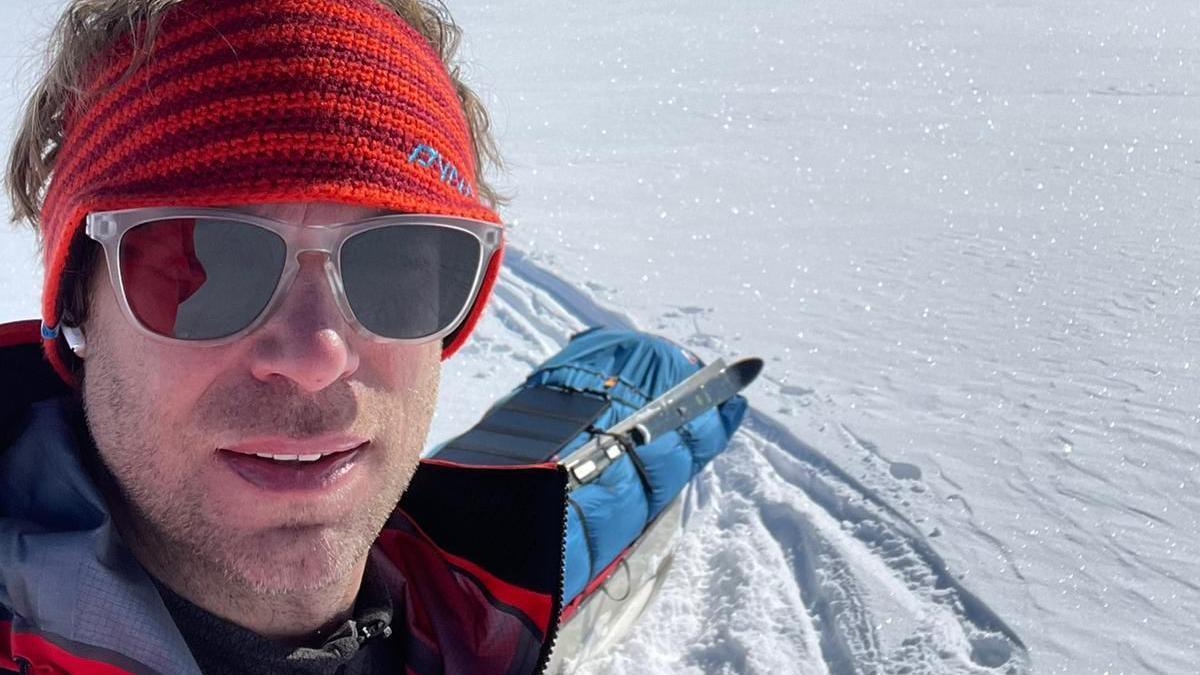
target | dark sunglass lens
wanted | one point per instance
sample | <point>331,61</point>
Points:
<point>410,281</point>
<point>199,278</point>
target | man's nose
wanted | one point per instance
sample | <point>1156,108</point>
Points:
<point>306,340</point>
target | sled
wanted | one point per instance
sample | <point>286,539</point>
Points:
<point>632,418</point>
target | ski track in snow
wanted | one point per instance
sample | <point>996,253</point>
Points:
<point>855,586</point>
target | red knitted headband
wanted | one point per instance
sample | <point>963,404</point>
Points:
<point>258,101</point>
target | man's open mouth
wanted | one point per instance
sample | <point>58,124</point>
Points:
<point>293,471</point>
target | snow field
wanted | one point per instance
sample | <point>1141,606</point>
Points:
<point>963,237</point>
<point>786,564</point>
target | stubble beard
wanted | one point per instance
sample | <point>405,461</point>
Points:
<point>168,527</point>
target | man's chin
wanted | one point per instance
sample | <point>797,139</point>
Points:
<point>292,560</point>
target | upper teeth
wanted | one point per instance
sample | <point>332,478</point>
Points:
<point>290,458</point>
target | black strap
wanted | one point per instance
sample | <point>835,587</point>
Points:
<point>587,539</point>
<point>630,447</point>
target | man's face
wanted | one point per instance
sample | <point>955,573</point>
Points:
<point>178,426</point>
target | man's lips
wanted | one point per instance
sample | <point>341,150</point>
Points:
<point>290,464</point>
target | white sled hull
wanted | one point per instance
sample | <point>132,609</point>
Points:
<point>609,613</point>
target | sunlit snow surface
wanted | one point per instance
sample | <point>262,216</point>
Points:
<point>966,238</point>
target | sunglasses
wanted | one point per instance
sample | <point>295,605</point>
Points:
<point>213,275</point>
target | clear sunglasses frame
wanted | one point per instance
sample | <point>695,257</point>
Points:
<point>109,227</point>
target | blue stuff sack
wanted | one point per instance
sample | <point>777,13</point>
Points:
<point>602,376</point>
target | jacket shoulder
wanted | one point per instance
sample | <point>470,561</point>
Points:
<point>487,547</point>
<point>25,375</point>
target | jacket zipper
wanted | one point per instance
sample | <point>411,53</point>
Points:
<point>556,603</point>
<point>364,632</point>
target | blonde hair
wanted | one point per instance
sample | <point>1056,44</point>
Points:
<point>89,27</point>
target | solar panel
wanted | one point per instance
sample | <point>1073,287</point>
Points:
<point>529,428</point>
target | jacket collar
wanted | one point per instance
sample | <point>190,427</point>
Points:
<point>64,573</point>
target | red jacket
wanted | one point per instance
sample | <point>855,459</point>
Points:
<point>476,553</point>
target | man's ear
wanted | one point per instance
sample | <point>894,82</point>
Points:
<point>75,340</point>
